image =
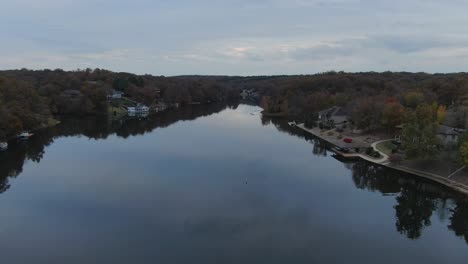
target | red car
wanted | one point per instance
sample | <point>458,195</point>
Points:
<point>348,140</point>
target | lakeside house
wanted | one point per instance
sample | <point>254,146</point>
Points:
<point>333,117</point>
<point>113,94</point>
<point>159,106</point>
<point>449,135</point>
<point>249,94</point>
<point>157,92</point>
<point>139,108</point>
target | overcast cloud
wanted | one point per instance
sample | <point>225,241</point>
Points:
<point>235,37</point>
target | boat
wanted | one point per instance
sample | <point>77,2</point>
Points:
<point>293,123</point>
<point>3,146</point>
<point>25,135</point>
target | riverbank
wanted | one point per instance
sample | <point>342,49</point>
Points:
<point>268,114</point>
<point>51,122</point>
<point>457,184</point>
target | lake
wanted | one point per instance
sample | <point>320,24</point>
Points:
<point>214,184</point>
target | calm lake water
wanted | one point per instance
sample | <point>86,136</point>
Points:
<point>217,185</point>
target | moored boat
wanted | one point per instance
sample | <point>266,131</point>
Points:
<point>3,146</point>
<point>293,123</point>
<point>25,135</point>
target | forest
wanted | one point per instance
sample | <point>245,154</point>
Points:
<point>375,101</point>
<point>379,102</point>
<point>34,99</point>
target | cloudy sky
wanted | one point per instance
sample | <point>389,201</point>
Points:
<point>235,37</point>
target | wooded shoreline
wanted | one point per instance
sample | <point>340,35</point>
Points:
<point>452,184</point>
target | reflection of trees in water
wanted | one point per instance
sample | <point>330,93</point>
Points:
<point>413,212</point>
<point>416,200</point>
<point>319,147</point>
<point>459,220</point>
<point>373,178</point>
<point>12,160</point>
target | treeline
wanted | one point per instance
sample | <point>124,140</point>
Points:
<point>29,99</point>
<point>300,95</point>
<point>417,103</point>
<point>32,99</point>
<point>97,128</point>
<point>373,100</point>
<point>21,107</point>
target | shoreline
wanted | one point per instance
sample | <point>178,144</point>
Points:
<point>453,185</point>
<point>51,123</point>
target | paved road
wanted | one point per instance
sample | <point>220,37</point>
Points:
<point>384,159</point>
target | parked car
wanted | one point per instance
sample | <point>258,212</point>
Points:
<point>348,140</point>
<point>344,150</point>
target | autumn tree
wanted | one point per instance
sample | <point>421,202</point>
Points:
<point>21,107</point>
<point>413,99</point>
<point>392,114</point>
<point>441,113</point>
<point>463,148</point>
<point>419,136</point>
<point>366,114</point>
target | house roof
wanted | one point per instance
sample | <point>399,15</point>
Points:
<point>334,111</point>
<point>116,92</point>
<point>339,119</point>
<point>446,130</point>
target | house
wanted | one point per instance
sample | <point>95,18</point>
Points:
<point>249,94</point>
<point>333,117</point>
<point>449,135</point>
<point>157,91</point>
<point>113,94</point>
<point>139,108</point>
<point>244,94</point>
<point>160,106</point>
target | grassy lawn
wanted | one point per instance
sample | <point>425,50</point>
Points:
<point>126,101</point>
<point>386,147</point>
<point>117,109</point>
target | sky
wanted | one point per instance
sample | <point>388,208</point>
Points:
<point>235,37</point>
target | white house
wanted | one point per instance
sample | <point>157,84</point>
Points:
<point>115,95</point>
<point>139,108</point>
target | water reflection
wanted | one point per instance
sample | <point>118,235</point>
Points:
<point>319,147</point>
<point>459,220</point>
<point>12,160</point>
<point>415,202</point>
<point>416,199</point>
